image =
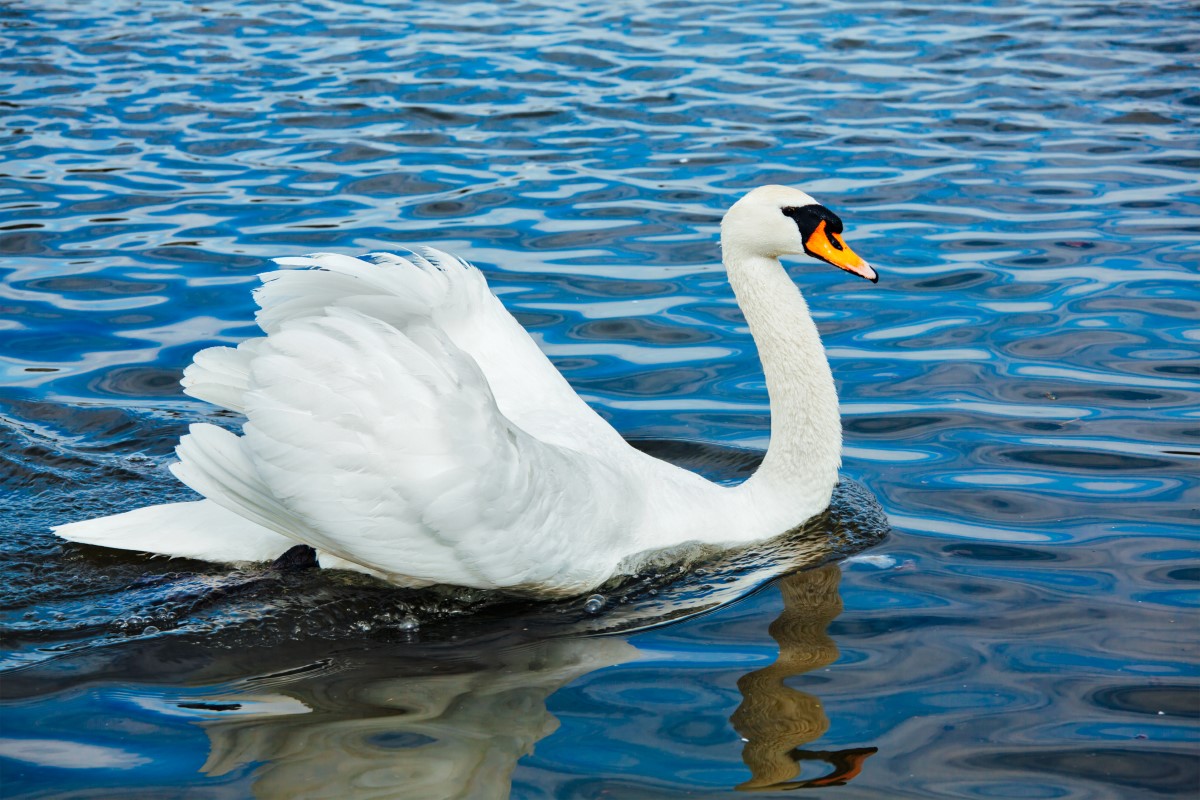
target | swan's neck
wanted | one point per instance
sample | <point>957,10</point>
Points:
<point>800,468</point>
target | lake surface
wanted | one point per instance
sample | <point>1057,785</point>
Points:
<point>1020,392</point>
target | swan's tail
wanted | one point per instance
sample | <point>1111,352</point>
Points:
<point>200,529</point>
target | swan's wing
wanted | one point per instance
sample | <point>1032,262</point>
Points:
<point>385,447</point>
<point>428,288</point>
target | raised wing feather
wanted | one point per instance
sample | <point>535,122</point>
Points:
<point>431,288</point>
<point>389,449</point>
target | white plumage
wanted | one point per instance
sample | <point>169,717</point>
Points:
<point>402,423</point>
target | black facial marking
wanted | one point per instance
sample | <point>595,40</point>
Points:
<point>807,218</point>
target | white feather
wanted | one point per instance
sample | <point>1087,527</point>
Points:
<point>188,530</point>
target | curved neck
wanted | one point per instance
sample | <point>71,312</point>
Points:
<point>800,468</point>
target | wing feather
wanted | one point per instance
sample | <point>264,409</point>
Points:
<point>400,419</point>
<point>428,288</point>
<point>389,445</point>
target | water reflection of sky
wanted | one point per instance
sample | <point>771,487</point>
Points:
<point>1019,391</point>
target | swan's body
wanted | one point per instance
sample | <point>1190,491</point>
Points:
<point>402,423</point>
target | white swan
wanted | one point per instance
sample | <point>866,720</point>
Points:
<point>402,423</point>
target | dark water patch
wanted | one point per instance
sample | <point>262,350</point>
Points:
<point>1158,700</point>
<point>394,185</point>
<point>401,740</point>
<point>638,330</point>
<point>211,706</point>
<point>1155,772</point>
<point>992,552</point>
<point>651,383</point>
<point>72,431</point>
<point>894,425</point>
<point>1184,574</point>
<point>138,382</point>
<point>29,243</point>
<point>1084,460</point>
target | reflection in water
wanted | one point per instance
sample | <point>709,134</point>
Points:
<point>449,727</point>
<point>371,732</point>
<point>776,720</point>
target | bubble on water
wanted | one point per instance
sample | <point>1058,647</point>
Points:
<point>409,624</point>
<point>594,604</point>
<point>149,629</point>
<point>872,560</point>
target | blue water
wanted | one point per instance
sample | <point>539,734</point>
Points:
<point>1019,391</point>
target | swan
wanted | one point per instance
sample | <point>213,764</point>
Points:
<point>402,423</point>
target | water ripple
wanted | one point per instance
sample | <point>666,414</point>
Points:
<point>1019,390</point>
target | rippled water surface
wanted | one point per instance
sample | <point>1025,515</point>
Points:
<point>1020,392</point>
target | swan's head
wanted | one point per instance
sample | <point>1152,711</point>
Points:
<point>775,221</point>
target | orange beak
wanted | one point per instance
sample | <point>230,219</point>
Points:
<point>830,247</point>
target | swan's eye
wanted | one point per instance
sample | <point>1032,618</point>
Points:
<point>807,218</point>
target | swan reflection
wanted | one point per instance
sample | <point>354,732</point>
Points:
<point>454,731</point>
<point>440,725</point>
<point>774,719</point>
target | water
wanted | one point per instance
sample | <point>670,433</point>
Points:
<point>1019,391</point>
